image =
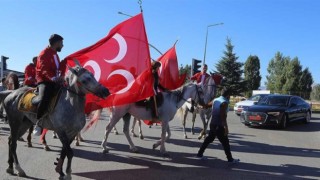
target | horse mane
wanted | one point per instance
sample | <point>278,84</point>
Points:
<point>177,92</point>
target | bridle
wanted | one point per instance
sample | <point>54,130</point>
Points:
<point>195,99</point>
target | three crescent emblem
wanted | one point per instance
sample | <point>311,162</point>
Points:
<point>121,54</point>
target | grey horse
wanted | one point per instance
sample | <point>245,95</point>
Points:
<point>172,101</point>
<point>67,118</point>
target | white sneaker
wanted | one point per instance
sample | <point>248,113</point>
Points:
<point>201,157</point>
<point>234,161</point>
<point>37,131</point>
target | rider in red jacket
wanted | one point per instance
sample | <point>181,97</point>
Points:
<point>200,77</point>
<point>30,74</point>
<point>48,71</point>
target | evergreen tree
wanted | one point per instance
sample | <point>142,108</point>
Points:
<point>252,74</point>
<point>229,67</point>
<point>305,84</point>
<point>293,73</point>
<point>315,94</point>
<point>277,73</point>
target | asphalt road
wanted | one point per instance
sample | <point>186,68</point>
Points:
<point>265,153</point>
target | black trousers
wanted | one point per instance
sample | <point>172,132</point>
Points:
<point>46,91</point>
<point>216,131</point>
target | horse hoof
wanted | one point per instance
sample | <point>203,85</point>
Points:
<point>134,135</point>
<point>77,144</point>
<point>105,151</point>
<point>185,136</point>
<point>199,137</point>
<point>166,155</point>
<point>29,145</point>
<point>81,139</point>
<point>10,171</point>
<point>22,174</point>
<point>54,137</point>
<point>154,147</point>
<point>141,137</point>
<point>135,150</point>
<point>46,148</point>
<point>116,133</point>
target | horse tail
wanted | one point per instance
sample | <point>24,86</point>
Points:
<point>180,112</point>
<point>4,94</point>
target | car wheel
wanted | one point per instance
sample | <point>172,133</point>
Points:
<point>307,118</point>
<point>284,123</point>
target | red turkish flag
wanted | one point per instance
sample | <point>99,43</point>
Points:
<point>120,62</point>
<point>169,71</point>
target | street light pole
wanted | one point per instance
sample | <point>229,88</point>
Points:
<point>205,46</point>
<point>148,43</point>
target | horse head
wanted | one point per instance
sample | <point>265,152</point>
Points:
<point>210,86</point>
<point>84,82</point>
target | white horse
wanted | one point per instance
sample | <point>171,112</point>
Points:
<point>205,115</point>
<point>173,100</point>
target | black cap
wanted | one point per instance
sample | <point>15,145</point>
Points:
<point>55,38</point>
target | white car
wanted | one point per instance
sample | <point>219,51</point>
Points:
<point>239,106</point>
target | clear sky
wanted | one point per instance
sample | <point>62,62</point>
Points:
<point>255,27</point>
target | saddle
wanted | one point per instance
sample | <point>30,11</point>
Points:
<point>25,102</point>
<point>149,103</point>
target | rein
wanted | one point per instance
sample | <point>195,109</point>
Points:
<point>181,98</point>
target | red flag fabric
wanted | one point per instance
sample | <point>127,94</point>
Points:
<point>169,71</point>
<point>120,62</point>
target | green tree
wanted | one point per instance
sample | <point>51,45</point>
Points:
<point>293,74</point>
<point>229,67</point>
<point>185,69</point>
<point>252,74</point>
<point>277,73</point>
<point>305,84</point>
<point>315,94</point>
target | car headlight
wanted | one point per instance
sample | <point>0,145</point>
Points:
<point>273,113</point>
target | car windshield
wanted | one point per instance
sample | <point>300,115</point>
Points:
<point>257,97</point>
<point>274,101</point>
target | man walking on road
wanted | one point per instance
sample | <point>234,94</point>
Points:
<point>219,126</point>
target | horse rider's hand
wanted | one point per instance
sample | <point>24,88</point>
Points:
<point>226,130</point>
<point>58,80</point>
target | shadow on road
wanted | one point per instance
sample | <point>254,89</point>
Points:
<point>151,168</point>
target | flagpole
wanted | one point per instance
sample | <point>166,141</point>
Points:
<point>205,47</point>
<point>148,43</point>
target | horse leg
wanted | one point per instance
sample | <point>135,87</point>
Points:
<point>109,127</point>
<point>13,158</point>
<point>115,131</point>
<point>168,135</point>
<point>126,124</point>
<point>29,136</point>
<point>194,115</point>
<point>185,113</point>
<point>69,156</point>
<point>17,130</point>
<point>10,158</point>
<point>65,152</point>
<point>163,138</point>
<point>78,138</point>
<point>140,129</point>
<point>132,127</point>
<point>203,131</point>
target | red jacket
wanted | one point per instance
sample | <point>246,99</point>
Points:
<point>30,75</point>
<point>197,76</point>
<point>48,65</point>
